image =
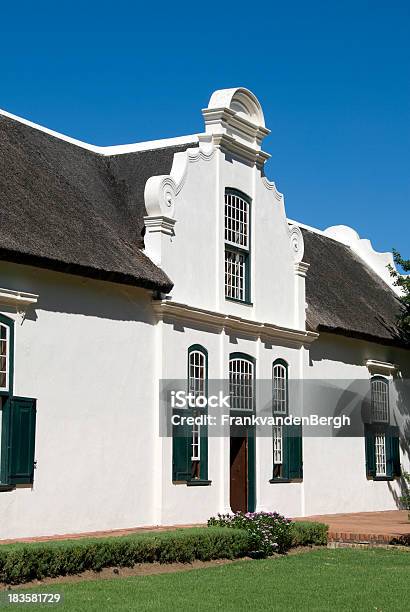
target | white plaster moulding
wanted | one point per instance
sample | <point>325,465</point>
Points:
<point>17,298</point>
<point>301,268</point>
<point>382,367</point>
<point>174,311</point>
<point>228,144</point>
<point>271,186</point>
<point>229,118</point>
<point>20,300</point>
<point>161,190</point>
<point>160,223</point>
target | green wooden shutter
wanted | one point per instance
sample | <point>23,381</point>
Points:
<point>181,449</point>
<point>21,440</point>
<point>292,438</point>
<point>203,432</point>
<point>285,452</point>
<point>392,452</point>
<point>370,452</point>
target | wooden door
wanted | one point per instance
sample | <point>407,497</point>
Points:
<point>239,474</point>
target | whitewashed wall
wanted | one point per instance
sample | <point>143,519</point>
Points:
<point>194,257</point>
<point>87,355</point>
<point>334,469</point>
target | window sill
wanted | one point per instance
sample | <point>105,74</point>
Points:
<point>284,480</point>
<point>383,478</point>
<point>7,487</point>
<point>198,483</point>
<point>244,302</point>
<point>193,483</point>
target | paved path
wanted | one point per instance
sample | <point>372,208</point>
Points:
<point>374,527</point>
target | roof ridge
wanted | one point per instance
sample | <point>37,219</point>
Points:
<point>110,150</point>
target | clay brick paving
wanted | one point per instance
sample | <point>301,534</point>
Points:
<point>374,527</point>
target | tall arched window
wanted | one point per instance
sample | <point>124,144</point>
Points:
<point>279,407</point>
<point>286,439</point>
<point>197,383</point>
<point>381,439</point>
<point>190,442</point>
<point>242,381</point>
<point>380,399</point>
<point>237,246</point>
<point>280,387</point>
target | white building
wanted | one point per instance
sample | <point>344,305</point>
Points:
<point>124,266</point>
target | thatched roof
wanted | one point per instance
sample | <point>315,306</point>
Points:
<point>344,295</point>
<point>67,208</point>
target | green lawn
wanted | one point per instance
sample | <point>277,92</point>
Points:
<point>324,579</point>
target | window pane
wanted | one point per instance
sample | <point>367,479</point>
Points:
<point>380,444</point>
<point>235,268</point>
<point>277,445</point>
<point>241,385</point>
<point>380,400</point>
<point>196,381</point>
<point>279,390</point>
<point>236,221</point>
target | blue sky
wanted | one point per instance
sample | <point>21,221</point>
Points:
<point>333,79</point>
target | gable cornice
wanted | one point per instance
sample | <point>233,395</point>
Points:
<point>239,150</point>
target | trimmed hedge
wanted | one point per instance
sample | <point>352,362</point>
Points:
<point>306,533</point>
<point>25,562</point>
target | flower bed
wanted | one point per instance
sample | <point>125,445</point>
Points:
<point>270,532</point>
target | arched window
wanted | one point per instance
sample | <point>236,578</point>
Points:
<point>242,381</point>
<point>190,442</point>
<point>286,439</point>
<point>237,246</point>
<point>280,387</point>
<point>197,376</point>
<point>381,440</point>
<point>197,383</point>
<point>279,407</point>
<point>380,399</point>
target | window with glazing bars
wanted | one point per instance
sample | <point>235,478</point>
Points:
<point>277,445</point>
<point>280,388</point>
<point>237,239</point>
<point>197,386</point>
<point>380,448</point>
<point>241,384</point>
<point>380,399</point>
